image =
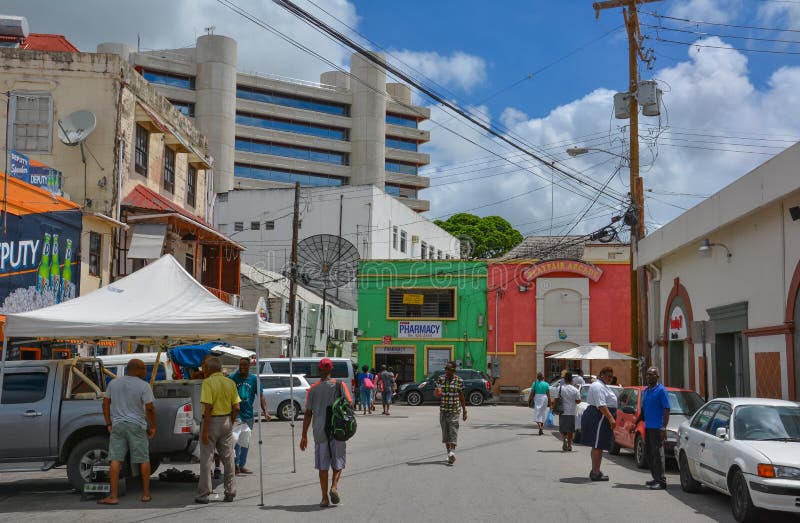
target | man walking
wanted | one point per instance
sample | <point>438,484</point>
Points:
<point>220,407</point>
<point>127,408</point>
<point>387,389</point>
<point>246,386</point>
<point>328,454</point>
<point>655,412</point>
<point>450,388</point>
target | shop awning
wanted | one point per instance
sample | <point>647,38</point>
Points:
<point>148,241</point>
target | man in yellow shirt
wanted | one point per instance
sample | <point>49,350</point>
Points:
<point>220,408</point>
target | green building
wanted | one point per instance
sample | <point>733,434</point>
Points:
<point>415,315</point>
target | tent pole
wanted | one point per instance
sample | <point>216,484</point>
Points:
<point>3,358</point>
<point>261,415</point>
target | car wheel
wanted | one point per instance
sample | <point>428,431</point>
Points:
<point>614,450</point>
<point>640,453</point>
<point>475,398</point>
<point>288,410</point>
<point>83,457</point>
<point>741,502</point>
<point>414,398</point>
<point>688,483</point>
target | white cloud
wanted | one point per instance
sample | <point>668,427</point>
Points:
<point>721,11</point>
<point>780,14</point>
<point>512,116</point>
<point>459,70</point>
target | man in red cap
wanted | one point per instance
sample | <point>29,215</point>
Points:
<point>328,454</point>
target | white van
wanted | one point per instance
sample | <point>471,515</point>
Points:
<point>342,368</point>
<point>117,363</point>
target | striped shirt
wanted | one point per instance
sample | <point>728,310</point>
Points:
<point>451,402</point>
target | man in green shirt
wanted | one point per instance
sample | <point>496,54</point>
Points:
<point>450,388</point>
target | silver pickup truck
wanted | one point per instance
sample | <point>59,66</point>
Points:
<point>51,415</point>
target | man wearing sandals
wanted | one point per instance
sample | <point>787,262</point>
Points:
<point>327,454</point>
<point>127,408</point>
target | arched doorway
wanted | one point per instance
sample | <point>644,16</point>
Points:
<point>553,368</point>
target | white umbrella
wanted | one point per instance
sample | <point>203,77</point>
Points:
<point>589,352</point>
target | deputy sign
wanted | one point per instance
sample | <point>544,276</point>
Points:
<point>419,329</point>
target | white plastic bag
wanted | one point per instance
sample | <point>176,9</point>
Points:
<point>241,434</point>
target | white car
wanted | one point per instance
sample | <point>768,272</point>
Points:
<point>748,448</point>
<point>276,392</point>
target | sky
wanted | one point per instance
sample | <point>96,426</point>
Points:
<point>543,73</point>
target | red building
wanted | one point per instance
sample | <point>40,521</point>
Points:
<point>538,306</point>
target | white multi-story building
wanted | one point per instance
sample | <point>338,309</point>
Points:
<point>380,226</point>
<point>265,131</point>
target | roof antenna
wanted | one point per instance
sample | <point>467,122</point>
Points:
<point>210,29</point>
<point>138,43</point>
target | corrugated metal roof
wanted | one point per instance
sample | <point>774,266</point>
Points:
<point>547,248</point>
<point>143,198</point>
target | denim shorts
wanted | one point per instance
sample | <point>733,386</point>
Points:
<point>127,436</point>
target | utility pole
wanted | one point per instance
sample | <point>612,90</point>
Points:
<point>638,280</point>
<point>293,267</point>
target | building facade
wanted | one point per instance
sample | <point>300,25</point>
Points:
<point>416,315</point>
<point>540,307</point>
<point>733,263</point>
<point>352,128</point>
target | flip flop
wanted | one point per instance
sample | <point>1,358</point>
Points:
<point>146,499</point>
<point>324,504</point>
<point>104,502</point>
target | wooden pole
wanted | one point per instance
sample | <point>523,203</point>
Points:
<point>293,267</point>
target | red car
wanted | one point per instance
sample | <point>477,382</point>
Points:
<point>683,404</point>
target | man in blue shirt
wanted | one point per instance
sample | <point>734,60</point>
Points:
<point>246,385</point>
<point>655,412</point>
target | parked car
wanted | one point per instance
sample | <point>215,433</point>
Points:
<point>309,367</point>
<point>277,393</point>
<point>581,408</point>
<point>683,404</point>
<point>51,415</point>
<point>477,388</point>
<point>748,448</point>
<point>525,394</point>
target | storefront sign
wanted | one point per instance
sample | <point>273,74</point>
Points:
<point>437,359</point>
<point>677,324</point>
<point>35,173</point>
<point>571,266</point>
<point>395,350</point>
<point>387,340</point>
<point>413,299</point>
<point>419,329</point>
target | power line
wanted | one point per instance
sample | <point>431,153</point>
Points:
<point>734,26</point>
<point>707,34</point>
<point>726,48</point>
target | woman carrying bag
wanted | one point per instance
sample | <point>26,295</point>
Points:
<point>539,400</point>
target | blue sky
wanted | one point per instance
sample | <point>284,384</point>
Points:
<point>725,111</point>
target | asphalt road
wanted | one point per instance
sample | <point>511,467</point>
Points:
<point>396,471</point>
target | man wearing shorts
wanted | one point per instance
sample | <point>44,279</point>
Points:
<point>387,388</point>
<point>450,388</point>
<point>127,408</point>
<point>328,454</point>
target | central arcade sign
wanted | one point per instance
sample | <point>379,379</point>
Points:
<point>571,266</point>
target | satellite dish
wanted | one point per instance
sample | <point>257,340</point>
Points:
<point>75,128</point>
<point>325,261</point>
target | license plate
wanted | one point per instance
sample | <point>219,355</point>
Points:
<point>97,487</point>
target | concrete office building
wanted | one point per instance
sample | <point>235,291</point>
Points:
<point>266,131</point>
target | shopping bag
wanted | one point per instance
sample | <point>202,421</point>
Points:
<point>549,420</point>
<point>241,434</point>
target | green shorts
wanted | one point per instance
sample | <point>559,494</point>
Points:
<point>128,436</point>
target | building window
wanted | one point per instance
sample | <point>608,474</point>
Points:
<point>431,252</point>
<point>438,255</point>
<point>191,185</point>
<point>254,226</point>
<point>402,241</point>
<point>298,102</point>
<point>291,126</point>
<point>95,252</point>
<point>269,226</point>
<point>33,122</point>
<point>392,189</point>
<point>291,151</point>
<point>170,79</point>
<point>394,237</point>
<point>405,121</point>
<point>436,303</point>
<point>401,167</point>
<point>423,251</point>
<point>188,264</point>
<point>185,108</point>
<point>142,147</point>
<point>402,143</point>
<point>285,176</point>
<point>238,226</point>
<point>169,169</point>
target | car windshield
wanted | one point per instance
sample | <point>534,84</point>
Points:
<point>767,423</point>
<point>685,403</point>
<point>585,391</point>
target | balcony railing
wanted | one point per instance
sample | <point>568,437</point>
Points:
<point>227,297</point>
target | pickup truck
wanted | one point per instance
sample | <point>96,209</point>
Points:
<point>51,415</point>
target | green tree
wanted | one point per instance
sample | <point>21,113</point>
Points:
<point>487,237</point>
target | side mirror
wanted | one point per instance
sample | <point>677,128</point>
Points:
<point>722,433</point>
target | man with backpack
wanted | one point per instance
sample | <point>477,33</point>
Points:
<point>327,404</point>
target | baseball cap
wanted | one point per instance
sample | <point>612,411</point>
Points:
<point>326,363</point>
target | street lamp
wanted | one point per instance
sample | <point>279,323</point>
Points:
<point>578,151</point>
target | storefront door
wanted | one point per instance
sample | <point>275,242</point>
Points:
<point>729,365</point>
<point>402,360</point>
<point>676,359</point>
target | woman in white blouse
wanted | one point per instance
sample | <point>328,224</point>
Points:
<point>599,420</point>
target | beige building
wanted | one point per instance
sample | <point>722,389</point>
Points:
<point>734,262</point>
<point>266,131</point>
<point>144,163</point>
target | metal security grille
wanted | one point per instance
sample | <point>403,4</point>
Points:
<point>141,149</point>
<point>169,169</point>
<point>436,303</point>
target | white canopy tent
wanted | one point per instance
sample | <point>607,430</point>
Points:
<point>589,352</point>
<point>161,300</point>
